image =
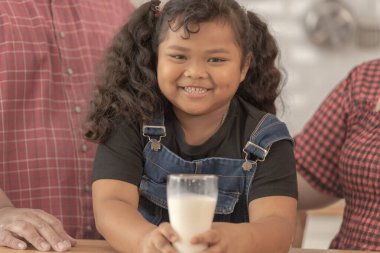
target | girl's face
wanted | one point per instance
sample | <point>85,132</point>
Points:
<point>201,74</point>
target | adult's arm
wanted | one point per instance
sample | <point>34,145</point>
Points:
<point>310,198</point>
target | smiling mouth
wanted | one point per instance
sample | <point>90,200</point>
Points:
<point>195,90</point>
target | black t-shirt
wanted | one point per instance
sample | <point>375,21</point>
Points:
<point>120,157</point>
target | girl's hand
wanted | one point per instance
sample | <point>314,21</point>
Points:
<point>160,240</point>
<point>220,238</point>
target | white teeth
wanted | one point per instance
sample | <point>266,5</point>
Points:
<point>195,90</point>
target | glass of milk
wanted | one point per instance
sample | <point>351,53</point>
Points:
<point>191,203</point>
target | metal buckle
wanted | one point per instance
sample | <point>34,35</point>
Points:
<point>154,127</point>
<point>256,146</point>
<point>154,143</point>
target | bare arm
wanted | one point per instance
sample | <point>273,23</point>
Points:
<point>271,229</point>
<point>21,225</point>
<point>118,220</point>
<point>273,221</point>
<point>309,198</point>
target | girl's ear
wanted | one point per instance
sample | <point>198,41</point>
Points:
<point>244,69</point>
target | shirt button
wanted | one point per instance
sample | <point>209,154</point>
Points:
<point>87,188</point>
<point>89,228</point>
<point>84,148</point>
<point>69,71</point>
<point>77,109</point>
<point>61,34</point>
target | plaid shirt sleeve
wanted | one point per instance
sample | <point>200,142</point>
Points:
<point>318,146</point>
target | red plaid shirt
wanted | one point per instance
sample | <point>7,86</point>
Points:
<point>338,152</point>
<point>48,53</point>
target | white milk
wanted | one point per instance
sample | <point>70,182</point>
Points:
<point>190,214</point>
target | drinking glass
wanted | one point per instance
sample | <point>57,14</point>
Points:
<point>191,203</point>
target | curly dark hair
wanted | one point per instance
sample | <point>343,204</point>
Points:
<point>128,86</point>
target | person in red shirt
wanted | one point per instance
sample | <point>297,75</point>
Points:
<point>48,53</point>
<point>338,156</point>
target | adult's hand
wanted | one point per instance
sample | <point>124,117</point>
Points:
<point>19,226</point>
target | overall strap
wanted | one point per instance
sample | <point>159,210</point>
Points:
<point>268,131</point>
<point>154,130</point>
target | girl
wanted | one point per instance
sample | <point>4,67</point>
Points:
<point>191,89</point>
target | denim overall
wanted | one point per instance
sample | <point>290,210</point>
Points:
<point>235,175</point>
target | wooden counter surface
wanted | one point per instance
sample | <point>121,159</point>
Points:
<point>98,246</point>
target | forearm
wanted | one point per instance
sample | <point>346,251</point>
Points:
<point>272,234</point>
<point>4,200</point>
<point>272,224</point>
<point>122,225</point>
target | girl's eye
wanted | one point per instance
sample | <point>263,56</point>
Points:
<point>216,60</point>
<point>178,57</point>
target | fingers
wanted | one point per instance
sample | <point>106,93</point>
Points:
<point>41,236</point>
<point>28,232</point>
<point>161,244</point>
<point>42,230</point>
<point>166,236</point>
<point>168,232</point>
<point>8,240</point>
<point>210,237</point>
<point>160,240</point>
<point>56,226</point>
<point>50,229</point>
<point>53,239</point>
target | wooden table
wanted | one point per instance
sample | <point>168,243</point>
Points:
<point>98,246</point>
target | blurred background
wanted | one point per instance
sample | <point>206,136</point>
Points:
<point>320,42</point>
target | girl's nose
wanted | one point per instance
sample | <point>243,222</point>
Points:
<point>195,71</point>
